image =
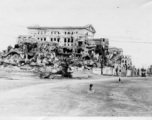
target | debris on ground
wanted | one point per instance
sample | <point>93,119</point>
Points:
<point>46,59</point>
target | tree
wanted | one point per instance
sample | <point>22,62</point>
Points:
<point>138,72</point>
<point>64,71</point>
<point>102,52</point>
<point>66,66</point>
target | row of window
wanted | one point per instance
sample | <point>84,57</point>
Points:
<point>42,39</point>
<point>124,61</point>
<point>71,33</point>
<point>68,39</point>
<point>55,32</point>
<point>55,39</point>
<point>68,44</point>
<point>51,39</point>
<point>44,32</point>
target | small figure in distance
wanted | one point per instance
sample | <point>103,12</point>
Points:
<point>120,75</point>
<point>91,90</point>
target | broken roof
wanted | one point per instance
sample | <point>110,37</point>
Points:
<point>87,27</point>
<point>114,49</point>
<point>98,41</point>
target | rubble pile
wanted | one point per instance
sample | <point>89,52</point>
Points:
<point>42,58</point>
<point>45,58</point>
<point>27,55</point>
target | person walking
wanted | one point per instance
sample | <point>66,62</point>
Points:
<point>116,71</point>
<point>120,71</point>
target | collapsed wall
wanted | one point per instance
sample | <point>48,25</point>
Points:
<point>29,53</point>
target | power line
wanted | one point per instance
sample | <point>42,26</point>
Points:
<point>103,36</point>
<point>133,39</point>
<point>123,37</point>
<point>132,42</point>
<point>109,40</point>
<point>9,36</point>
<point>15,25</point>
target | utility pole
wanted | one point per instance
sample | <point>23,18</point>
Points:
<point>101,65</point>
<point>102,57</point>
<point>101,60</point>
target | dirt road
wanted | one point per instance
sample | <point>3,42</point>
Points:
<point>42,99</point>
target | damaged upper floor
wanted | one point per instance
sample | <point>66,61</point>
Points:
<point>39,32</point>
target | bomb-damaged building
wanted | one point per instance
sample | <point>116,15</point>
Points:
<point>78,40</point>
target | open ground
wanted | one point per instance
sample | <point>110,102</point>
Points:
<point>30,97</point>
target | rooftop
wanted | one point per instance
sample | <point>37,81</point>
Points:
<point>88,27</point>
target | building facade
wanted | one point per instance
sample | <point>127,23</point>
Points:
<point>25,38</point>
<point>69,39</point>
<point>99,41</point>
<point>126,61</point>
<point>64,36</point>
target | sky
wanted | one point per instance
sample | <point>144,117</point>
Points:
<point>127,23</point>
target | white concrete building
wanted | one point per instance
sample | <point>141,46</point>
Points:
<point>126,60</point>
<point>65,36</point>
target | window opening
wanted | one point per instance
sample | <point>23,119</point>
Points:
<point>58,39</point>
<point>71,39</point>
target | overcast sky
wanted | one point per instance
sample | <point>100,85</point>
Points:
<point>119,20</point>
